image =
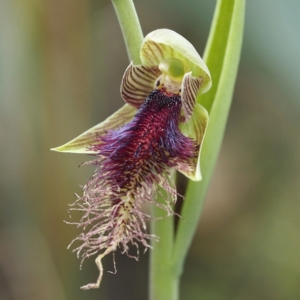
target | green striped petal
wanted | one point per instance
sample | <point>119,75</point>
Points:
<point>83,142</point>
<point>137,83</point>
<point>189,91</point>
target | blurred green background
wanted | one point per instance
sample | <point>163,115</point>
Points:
<point>61,64</point>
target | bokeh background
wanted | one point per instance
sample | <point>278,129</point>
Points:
<point>61,63</point>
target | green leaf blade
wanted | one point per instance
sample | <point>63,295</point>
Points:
<point>228,21</point>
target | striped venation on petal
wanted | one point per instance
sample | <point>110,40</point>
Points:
<point>137,83</point>
<point>153,53</point>
<point>189,91</point>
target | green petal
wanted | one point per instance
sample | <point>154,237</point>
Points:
<point>162,44</point>
<point>82,143</point>
<point>189,90</point>
<point>137,83</point>
<point>195,128</point>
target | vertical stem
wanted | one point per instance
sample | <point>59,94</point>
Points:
<point>131,28</point>
<point>164,282</point>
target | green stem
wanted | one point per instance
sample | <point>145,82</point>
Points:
<point>164,282</point>
<point>131,28</point>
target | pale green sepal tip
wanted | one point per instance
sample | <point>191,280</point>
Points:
<point>83,142</point>
<point>195,128</point>
<point>68,148</point>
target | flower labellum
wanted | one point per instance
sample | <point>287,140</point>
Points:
<point>159,130</point>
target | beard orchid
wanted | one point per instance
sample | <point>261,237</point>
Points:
<point>160,129</point>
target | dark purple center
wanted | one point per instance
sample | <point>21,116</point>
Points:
<point>148,145</point>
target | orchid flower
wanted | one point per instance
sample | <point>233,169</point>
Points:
<point>160,129</point>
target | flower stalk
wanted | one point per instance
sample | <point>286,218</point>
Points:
<point>163,279</point>
<point>131,28</point>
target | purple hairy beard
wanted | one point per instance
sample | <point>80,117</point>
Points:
<point>132,162</point>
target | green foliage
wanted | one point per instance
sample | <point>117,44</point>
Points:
<point>222,56</point>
